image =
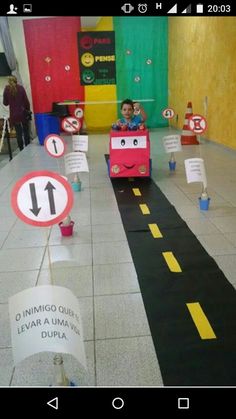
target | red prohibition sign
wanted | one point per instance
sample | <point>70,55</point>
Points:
<point>42,198</point>
<point>197,124</point>
<point>71,124</point>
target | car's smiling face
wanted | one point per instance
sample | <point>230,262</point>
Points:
<point>129,156</point>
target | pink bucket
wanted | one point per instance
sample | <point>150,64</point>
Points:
<point>66,230</point>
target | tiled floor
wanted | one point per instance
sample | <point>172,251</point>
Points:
<point>96,263</point>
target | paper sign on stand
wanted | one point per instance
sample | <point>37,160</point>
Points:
<point>172,143</point>
<point>46,319</point>
<point>195,171</point>
<point>76,162</point>
<point>80,143</point>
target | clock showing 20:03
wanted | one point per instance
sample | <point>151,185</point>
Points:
<point>219,8</point>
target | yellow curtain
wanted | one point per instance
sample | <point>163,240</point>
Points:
<point>100,117</point>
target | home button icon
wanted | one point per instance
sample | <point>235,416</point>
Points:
<point>118,403</point>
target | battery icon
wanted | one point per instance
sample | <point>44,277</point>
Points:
<point>199,8</point>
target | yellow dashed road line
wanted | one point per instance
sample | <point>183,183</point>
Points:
<point>201,322</point>
<point>155,231</point>
<point>136,192</point>
<point>144,208</point>
<point>171,262</point>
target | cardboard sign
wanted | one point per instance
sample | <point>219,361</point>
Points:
<point>97,57</point>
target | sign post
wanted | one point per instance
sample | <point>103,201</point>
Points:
<point>172,144</point>
<point>198,124</point>
<point>45,318</point>
<point>195,172</point>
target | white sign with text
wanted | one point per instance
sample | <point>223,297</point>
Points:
<point>76,162</point>
<point>195,171</point>
<point>46,318</point>
<point>80,142</point>
<point>172,143</point>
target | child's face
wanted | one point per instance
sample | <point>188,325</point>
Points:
<point>127,111</point>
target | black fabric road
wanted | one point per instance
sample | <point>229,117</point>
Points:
<point>185,358</point>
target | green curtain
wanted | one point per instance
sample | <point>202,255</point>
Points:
<point>142,63</point>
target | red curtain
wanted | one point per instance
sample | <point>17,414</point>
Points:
<point>52,51</point>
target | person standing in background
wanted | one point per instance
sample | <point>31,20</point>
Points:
<point>15,97</point>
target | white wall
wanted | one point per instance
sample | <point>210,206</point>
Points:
<point>18,41</point>
<point>3,80</point>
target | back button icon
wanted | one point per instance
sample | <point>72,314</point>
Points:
<point>53,403</point>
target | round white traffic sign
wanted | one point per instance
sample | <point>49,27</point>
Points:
<point>79,113</point>
<point>55,145</point>
<point>168,113</point>
<point>71,124</point>
<point>42,198</point>
<point>197,124</point>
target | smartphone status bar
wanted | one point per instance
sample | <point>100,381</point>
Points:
<point>123,8</point>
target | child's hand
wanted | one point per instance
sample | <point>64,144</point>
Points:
<point>136,108</point>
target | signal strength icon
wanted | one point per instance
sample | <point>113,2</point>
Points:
<point>173,9</point>
<point>187,10</point>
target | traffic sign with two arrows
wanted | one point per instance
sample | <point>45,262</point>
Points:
<point>42,198</point>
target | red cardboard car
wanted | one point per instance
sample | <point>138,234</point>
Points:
<point>129,154</point>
